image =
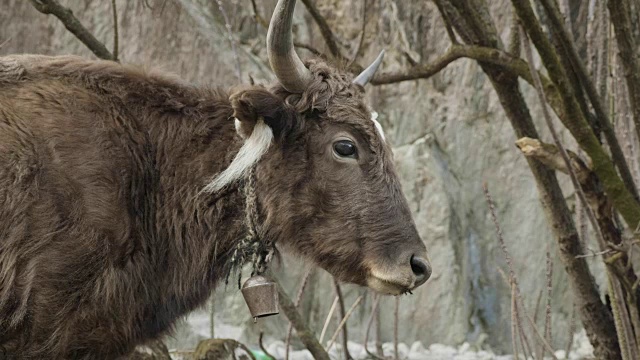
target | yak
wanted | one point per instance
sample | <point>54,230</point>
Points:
<point>123,198</point>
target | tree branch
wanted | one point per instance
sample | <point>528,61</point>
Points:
<point>619,11</point>
<point>325,30</point>
<point>303,285</point>
<point>580,71</point>
<point>304,333</point>
<point>595,316</point>
<point>115,30</point>
<point>341,315</point>
<point>611,237</point>
<point>574,120</point>
<point>72,24</point>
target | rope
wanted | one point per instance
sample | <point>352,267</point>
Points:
<point>251,248</point>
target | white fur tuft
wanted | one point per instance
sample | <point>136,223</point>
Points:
<point>374,118</point>
<point>250,153</point>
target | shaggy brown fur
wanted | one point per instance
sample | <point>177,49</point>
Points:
<point>105,237</point>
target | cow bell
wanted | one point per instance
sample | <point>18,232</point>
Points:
<point>261,296</point>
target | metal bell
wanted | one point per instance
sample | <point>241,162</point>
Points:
<point>261,296</point>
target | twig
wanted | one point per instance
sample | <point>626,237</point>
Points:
<point>546,344</point>
<point>227,25</point>
<point>5,42</point>
<point>303,285</point>
<point>73,25</point>
<point>308,47</point>
<point>305,334</point>
<point>572,328</point>
<point>547,319</point>
<point>514,321</point>
<point>262,347</point>
<point>537,307</point>
<point>246,349</point>
<point>396,320</point>
<point>520,301</point>
<point>212,320</point>
<point>115,30</point>
<point>265,24</point>
<point>595,253</point>
<point>620,11</point>
<point>447,23</point>
<point>257,16</point>
<point>341,315</point>
<point>325,30</point>
<point>374,308</point>
<point>513,280</point>
<point>328,319</point>
<point>343,322</point>
<point>507,63</point>
<point>362,33</point>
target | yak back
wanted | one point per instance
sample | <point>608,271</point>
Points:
<point>102,233</point>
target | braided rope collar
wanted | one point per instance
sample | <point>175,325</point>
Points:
<point>251,249</point>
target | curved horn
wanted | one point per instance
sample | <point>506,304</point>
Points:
<point>367,74</point>
<point>285,63</point>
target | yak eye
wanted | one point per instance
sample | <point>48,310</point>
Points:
<point>345,148</point>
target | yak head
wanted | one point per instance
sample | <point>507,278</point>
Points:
<point>326,185</point>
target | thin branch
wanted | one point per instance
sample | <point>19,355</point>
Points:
<point>212,317</point>
<point>620,11</point>
<point>374,308</point>
<point>305,334</point>
<point>514,322</point>
<point>343,322</point>
<point>396,320</point>
<point>72,24</point>
<point>362,33</point>
<point>506,61</point>
<point>265,24</point>
<point>256,15</point>
<point>303,285</point>
<point>447,23</point>
<point>334,305</point>
<point>572,328</point>
<point>325,30</point>
<point>227,25</point>
<point>115,30</point>
<point>547,318</point>
<point>341,315</point>
<point>262,347</point>
<point>512,280</point>
<point>307,47</point>
<point>2,44</point>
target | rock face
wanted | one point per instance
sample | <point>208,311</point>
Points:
<point>450,135</point>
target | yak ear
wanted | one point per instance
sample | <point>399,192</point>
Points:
<point>254,104</point>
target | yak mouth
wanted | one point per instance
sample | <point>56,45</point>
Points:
<point>388,285</point>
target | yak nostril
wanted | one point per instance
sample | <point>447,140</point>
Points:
<point>421,269</point>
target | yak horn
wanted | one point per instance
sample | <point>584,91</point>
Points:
<point>285,63</point>
<point>367,74</point>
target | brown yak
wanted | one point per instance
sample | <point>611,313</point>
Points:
<point>121,202</point>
